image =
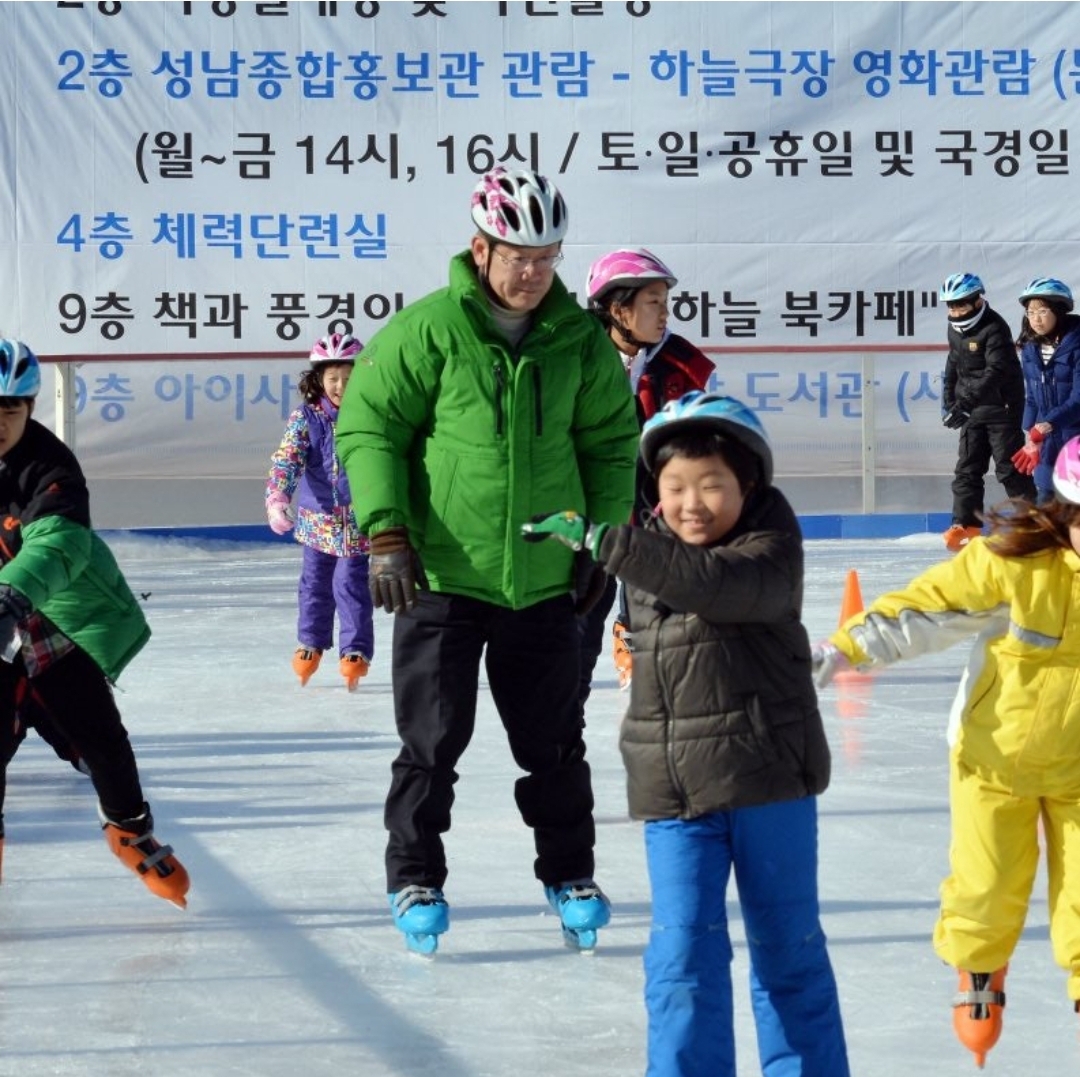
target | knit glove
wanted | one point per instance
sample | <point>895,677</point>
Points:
<point>570,528</point>
<point>1025,460</point>
<point>395,572</point>
<point>278,514</point>
<point>14,609</point>
<point>826,660</point>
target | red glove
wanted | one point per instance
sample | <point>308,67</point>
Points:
<point>1025,460</point>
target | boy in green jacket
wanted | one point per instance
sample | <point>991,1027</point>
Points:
<point>69,623</point>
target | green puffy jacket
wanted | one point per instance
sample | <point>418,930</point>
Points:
<point>448,431</point>
<point>50,554</point>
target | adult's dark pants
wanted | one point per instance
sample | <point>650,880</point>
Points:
<point>591,637</point>
<point>79,702</point>
<point>979,443</point>
<point>531,660</point>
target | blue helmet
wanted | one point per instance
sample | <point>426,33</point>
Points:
<point>960,286</point>
<point>711,412</point>
<point>20,374</point>
<point>1048,288</point>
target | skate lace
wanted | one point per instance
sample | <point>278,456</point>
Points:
<point>416,895</point>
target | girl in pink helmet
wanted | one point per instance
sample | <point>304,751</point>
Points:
<point>627,290</point>
<point>334,572</point>
<point>1014,734</point>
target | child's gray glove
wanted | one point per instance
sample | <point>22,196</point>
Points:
<point>826,660</point>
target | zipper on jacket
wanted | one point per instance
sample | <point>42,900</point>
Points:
<point>669,729</point>
<point>500,389</point>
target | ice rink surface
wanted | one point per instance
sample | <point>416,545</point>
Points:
<point>286,962</point>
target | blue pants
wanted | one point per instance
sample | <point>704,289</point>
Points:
<point>688,994</point>
<point>330,584</point>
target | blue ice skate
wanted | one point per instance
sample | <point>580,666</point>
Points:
<point>583,910</point>
<point>422,915</point>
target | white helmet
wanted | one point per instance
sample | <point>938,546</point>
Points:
<point>520,207</point>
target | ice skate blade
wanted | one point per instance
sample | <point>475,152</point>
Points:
<point>424,945</point>
<point>583,940</point>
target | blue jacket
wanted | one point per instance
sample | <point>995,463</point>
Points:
<point>1052,395</point>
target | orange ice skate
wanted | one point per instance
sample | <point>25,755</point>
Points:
<point>305,661</point>
<point>132,840</point>
<point>958,536</point>
<point>353,667</point>
<point>621,653</point>
<point>977,1008</point>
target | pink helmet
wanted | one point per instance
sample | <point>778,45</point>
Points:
<point>630,267</point>
<point>336,348</point>
<point>1067,472</point>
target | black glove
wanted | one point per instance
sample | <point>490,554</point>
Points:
<point>590,582</point>
<point>395,571</point>
<point>14,608</point>
<point>955,417</point>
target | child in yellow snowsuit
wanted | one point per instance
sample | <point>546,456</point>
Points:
<point>1014,733</point>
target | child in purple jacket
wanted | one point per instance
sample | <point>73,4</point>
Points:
<point>334,575</point>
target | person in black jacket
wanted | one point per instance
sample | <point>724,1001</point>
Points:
<point>723,743</point>
<point>982,397</point>
<point>69,625</point>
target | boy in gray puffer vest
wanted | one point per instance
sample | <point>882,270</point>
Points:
<point>723,744</point>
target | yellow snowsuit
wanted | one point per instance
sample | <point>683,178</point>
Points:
<point>1015,736</point>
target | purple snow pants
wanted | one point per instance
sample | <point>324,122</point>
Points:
<point>329,584</point>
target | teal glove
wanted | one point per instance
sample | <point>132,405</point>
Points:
<point>569,527</point>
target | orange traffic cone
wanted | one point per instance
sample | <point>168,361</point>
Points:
<point>852,602</point>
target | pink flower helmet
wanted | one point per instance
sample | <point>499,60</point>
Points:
<point>629,267</point>
<point>336,348</point>
<point>519,206</point>
<point>1067,472</point>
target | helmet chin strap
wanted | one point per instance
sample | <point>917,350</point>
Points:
<point>627,335</point>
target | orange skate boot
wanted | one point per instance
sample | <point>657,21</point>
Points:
<point>977,1008</point>
<point>622,654</point>
<point>132,840</point>
<point>305,661</point>
<point>958,536</point>
<point>352,668</point>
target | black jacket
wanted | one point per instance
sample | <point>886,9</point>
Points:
<point>983,373</point>
<point>723,712</point>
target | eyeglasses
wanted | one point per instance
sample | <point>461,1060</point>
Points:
<point>520,265</point>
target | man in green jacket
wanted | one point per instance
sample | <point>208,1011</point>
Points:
<point>69,623</point>
<point>475,408</point>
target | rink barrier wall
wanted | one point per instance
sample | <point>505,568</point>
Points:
<point>828,526</point>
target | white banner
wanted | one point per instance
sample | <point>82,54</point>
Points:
<point>236,178</point>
